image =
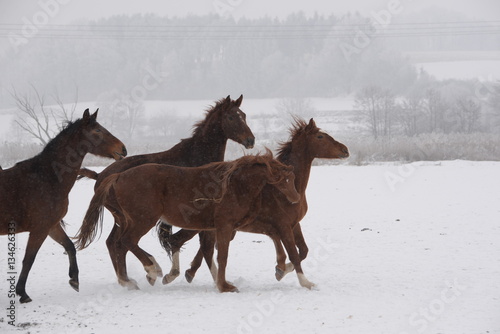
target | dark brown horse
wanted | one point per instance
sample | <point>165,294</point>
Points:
<point>223,121</point>
<point>307,143</point>
<point>34,193</point>
<point>220,196</point>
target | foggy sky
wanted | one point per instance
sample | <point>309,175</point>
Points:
<point>71,10</point>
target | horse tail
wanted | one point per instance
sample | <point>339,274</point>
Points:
<point>84,172</point>
<point>88,231</point>
<point>164,231</point>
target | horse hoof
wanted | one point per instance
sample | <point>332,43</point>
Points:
<point>170,277</point>
<point>129,284</point>
<point>151,280</point>
<point>279,274</point>
<point>75,285</point>
<point>25,299</point>
<point>228,288</point>
<point>188,276</point>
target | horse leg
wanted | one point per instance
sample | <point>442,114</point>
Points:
<point>118,254</point>
<point>206,250</point>
<point>57,233</point>
<point>151,266</point>
<point>176,241</point>
<point>34,243</point>
<point>281,267</point>
<point>301,245</point>
<point>224,234</point>
<point>287,237</point>
<point>195,265</point>
<point>300,242</point>
<point>112,248</point>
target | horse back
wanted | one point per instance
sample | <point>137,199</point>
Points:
<point>182,195</point>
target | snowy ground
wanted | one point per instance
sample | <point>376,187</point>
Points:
<point>393,249</point>
<point>483,70</point>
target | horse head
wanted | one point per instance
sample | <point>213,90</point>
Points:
<point>234,124</point>
<point>322,145</point>
<point>100,141</point>
<point>282,177</point>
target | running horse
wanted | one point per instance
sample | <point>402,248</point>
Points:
<point>34,193</point>
<point>277,218</point>
<point>225,120</point>
<point>220,196</point>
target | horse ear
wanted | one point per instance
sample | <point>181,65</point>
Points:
<point>94,115</point>
<point>86,116</point>
<point>227,101</point>
<point>238,101</point>
<point>311,125</point>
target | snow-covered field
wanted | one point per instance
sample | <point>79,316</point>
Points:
<point>483,70</point>
<point>393,249</point>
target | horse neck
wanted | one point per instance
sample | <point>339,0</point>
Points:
<point>201,148</point>
<point>65,160</point>
<point>301,162</point>
<point>209,148</point>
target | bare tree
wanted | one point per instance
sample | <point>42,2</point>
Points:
<point>436,109</point>
<point>468,112</point>
<point>122,111</point>
<point>410,114</point>
<point>379,107</point>
<point>295,107</point>
<point>37,119</point>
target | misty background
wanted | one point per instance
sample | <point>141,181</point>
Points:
<point>393,80</point>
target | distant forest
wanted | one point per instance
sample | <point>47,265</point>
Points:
<point>210,56</point>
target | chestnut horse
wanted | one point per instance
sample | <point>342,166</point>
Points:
<point>307,143</point>
<point>220,196</point>
<point>34,193</point>
<point>225,120</point>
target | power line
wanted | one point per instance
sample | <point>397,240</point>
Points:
<point>253,32</point>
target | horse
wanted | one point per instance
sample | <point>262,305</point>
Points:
<point>307,142</point>
<point>225,120</point>
<point>220,196</point>
<point>34,193</point>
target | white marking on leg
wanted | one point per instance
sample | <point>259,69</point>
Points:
<point>152,274</point>
<point>214,271</point>
<point>304,281</point>
<point>159,272</point>
<point>174,271</point>
<point>288,268</point>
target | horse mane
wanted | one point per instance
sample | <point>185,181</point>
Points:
<point>298,127</point>
<point>227,169</point>
<point>69,128</point>
<point>200,127</point>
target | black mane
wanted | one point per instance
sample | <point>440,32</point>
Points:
<point>53,145</point>
<point>200,127</point>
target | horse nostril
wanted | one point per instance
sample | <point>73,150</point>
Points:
<point>124,151</point>
<point>251,141</point>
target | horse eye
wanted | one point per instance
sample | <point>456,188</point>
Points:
<point>320,136</point>
<point>97,130</point>
<point>230,118</point>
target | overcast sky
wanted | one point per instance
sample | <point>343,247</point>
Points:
<point>13,11</point>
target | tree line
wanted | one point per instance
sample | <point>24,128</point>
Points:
<point>430,106</point>
<point>205,56</point>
